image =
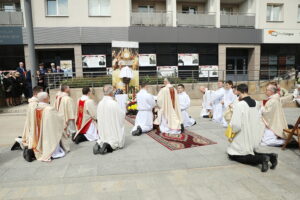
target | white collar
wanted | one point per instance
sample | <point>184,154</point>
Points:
<point>84,98</point>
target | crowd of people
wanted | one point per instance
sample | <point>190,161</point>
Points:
<point>252,123</point>
<point>17,84</point>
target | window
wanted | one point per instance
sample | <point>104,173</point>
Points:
<point>57,7</point>
<point>146,8</point>
<point>99,7</point>
<point>274,12</point>
<point>227,11</point>
<point>9,7</point>
<point>298,13</point>
<point>189,9</point>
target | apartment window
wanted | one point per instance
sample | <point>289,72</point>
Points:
<point>227,10</point>
<point>298,13</point>
<point>146,8</point>
<point>274,12</point>
<point>9,7</point>
<point>57,7</point>
<point>99,7</point>
<point>189,9</point>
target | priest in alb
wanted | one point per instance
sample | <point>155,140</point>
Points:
<point>169,116</point>
<point>206,111</point>
<point>29,122</point>
<point>185,102</point>
<point>64,105</point>
<point>144,117</point>
<point>86,118</point>
<point>274,118</point>
<point>228,99</point>
<point>216,103</point>
<point>111,121</point>
<point>48,130</point>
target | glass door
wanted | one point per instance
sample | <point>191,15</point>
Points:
<point>236,68</point>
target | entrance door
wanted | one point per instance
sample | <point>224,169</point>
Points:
<point>237,68</point>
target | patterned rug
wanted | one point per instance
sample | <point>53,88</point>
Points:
<point>185,140</point>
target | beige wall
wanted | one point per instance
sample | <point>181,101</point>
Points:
<point>290,13</point>
<point>78,15</point>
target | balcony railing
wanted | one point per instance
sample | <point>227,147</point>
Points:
<point>197,19</point>
<point>246,20</point>
<point>157,18</point>
<point>11,17</point>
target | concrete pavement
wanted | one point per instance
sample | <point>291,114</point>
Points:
<point>145,169</point>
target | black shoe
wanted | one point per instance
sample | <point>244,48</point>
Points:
<point>96,149</point>
<point>80,138</point>
<point>29,155</point>
<point>16,146</point>
<point>273,160</point>
<point>25,152</point>
<point>205,116</point>
<point>182,128</point>
<point>265,164</point>
<point>195,123</point>
<point>137,132</point>
<point>105,149</point>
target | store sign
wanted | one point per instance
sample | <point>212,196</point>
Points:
<point>11,35</point>
<point>281,36</point>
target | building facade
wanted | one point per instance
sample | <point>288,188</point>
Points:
<point>245,38</point>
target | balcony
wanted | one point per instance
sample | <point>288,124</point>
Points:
<point>155,18</point>
<point>246,20</point>
<point>11,18</point>
<point>197,19</point>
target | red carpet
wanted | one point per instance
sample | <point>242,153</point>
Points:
<point>185,140</point>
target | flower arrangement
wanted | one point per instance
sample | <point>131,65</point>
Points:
<point>132,105</point>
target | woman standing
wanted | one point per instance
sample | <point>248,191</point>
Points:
<point>7,84</point>
<point>40,79</point>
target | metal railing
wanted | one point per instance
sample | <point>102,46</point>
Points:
<point>98,79</point>
<point>156,18</point>
<point>12,17</point>
<point>238,20</point>
<point>197,19</point>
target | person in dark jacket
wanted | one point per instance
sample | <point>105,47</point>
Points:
<point>7,86</point>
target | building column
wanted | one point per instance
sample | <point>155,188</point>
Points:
<point>217,5</point>
<point>78,60</point>
<point>254,63</point>
<point>222,62</point>
<point>172,8</point>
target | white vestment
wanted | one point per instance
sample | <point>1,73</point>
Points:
<point>270,139</point>
<point>126,72</point>
<point>275,121</point>
<point>169,116</point>
<point>89,117</point>
<point>296,95</point>
<point>185,102</point>
<point>64,105</point>
<point>111,121</point>
<point>207,99</point>
<point>29,123</point>
<point>144,118</point>
<point>48,133</point>
<point>122,101</point>
<point>246,123</point>
<point>228,99</point>
<point>218,108</point>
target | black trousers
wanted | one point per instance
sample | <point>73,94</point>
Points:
<point>255,159</point>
